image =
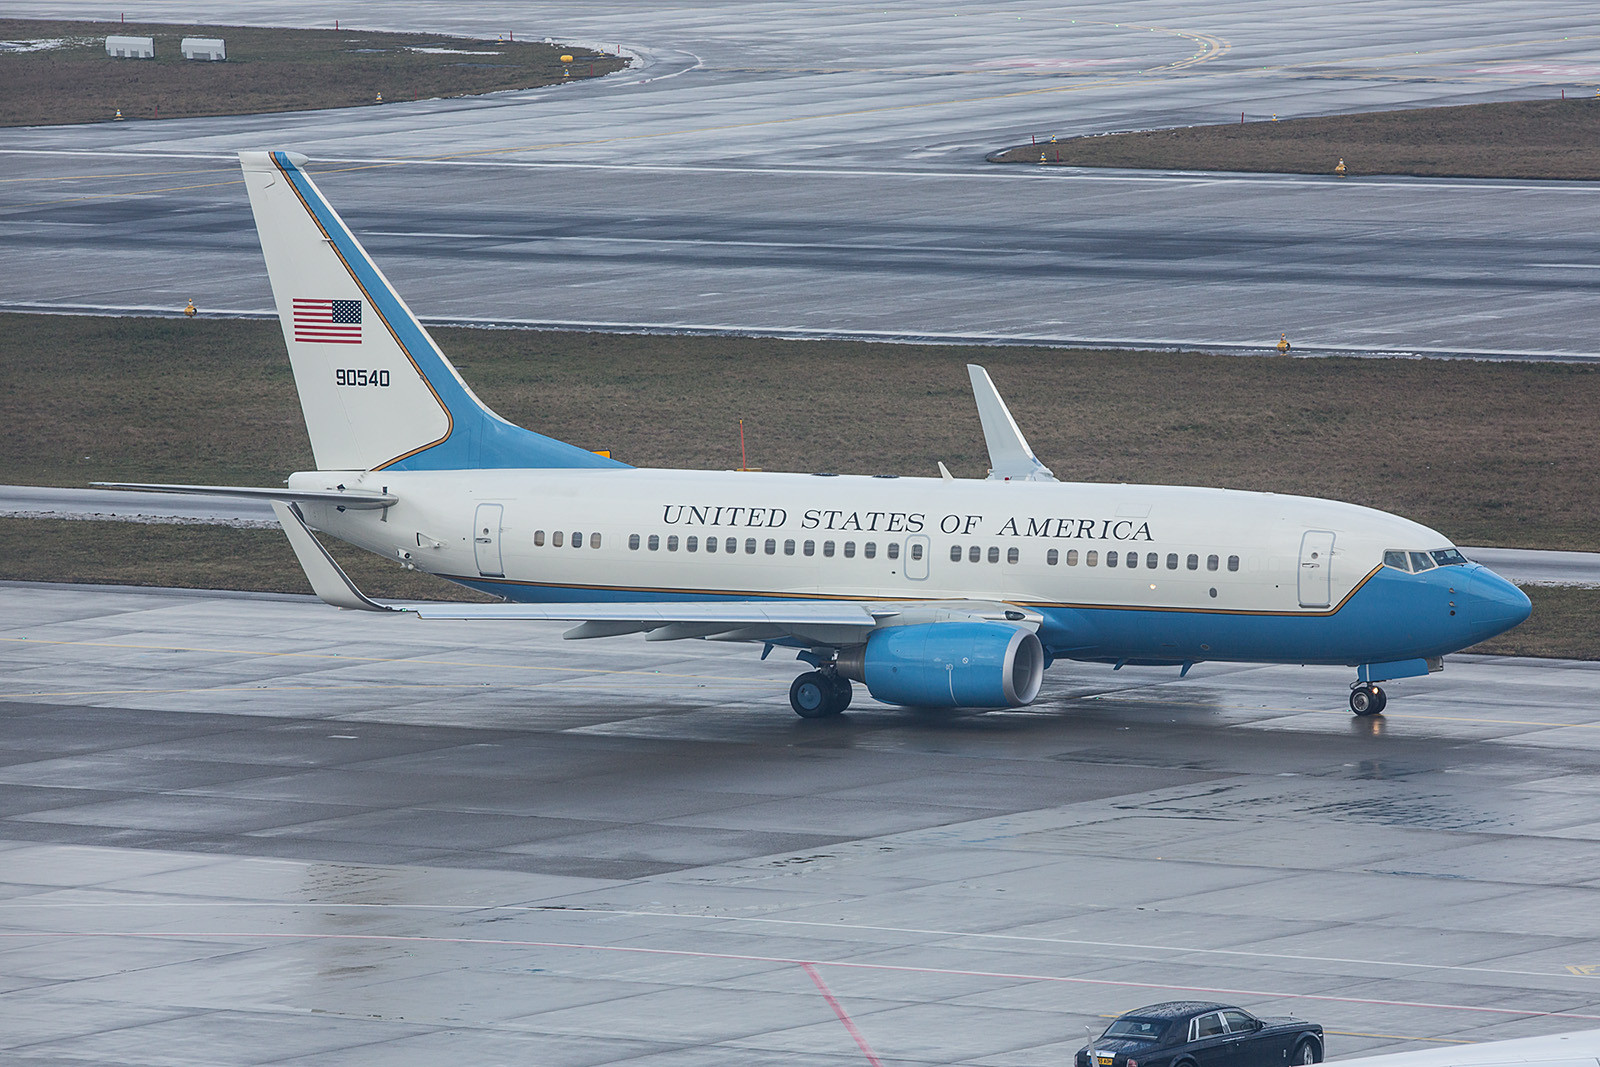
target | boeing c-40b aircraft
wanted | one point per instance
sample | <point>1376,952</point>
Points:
<point>933,592</point>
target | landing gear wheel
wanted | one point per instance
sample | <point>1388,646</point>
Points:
<point>842,692</point>
<point>1368,700</point>
<point>814,696</point>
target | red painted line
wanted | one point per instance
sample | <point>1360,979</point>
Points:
<point>514,943</point>
<point>861,1042</point>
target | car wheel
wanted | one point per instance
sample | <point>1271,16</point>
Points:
<point>1305,1054</point>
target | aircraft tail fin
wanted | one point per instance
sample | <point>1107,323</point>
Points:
<point>376,391</point>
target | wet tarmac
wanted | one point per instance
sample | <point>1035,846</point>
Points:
<point>253,829</point>
<point>817,171</point>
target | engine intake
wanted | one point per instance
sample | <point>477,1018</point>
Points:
<point>949,665</point>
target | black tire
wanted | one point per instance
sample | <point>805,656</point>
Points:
<point>1306,1053</point>
<point>812,696</point>
<point>1366,700</point>
<point>1383,702</point>
<point>842,692</point>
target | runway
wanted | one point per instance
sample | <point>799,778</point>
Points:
<point>819,172</point>
<point>263,828</point>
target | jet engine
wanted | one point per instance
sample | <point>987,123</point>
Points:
<point>949,665</point>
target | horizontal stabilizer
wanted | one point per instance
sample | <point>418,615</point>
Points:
<point>328,579</point>
<point>356,499</point>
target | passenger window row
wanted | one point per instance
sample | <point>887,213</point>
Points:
<point>752,545</point>
<point>972,553</point>
<point>558,537</point>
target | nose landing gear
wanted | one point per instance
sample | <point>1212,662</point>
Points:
<point>820,694</point>
<point>1367,699</point>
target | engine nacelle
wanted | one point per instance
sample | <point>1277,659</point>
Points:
<point>949,665</point>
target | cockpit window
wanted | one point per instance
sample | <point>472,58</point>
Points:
<point>1396,559</point>
<point>1448,557</point>
<point>1421,561</point>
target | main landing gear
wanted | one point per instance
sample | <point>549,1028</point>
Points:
<point>1367,699</point>
<point>820,694</point>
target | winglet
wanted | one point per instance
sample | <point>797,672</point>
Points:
<point>1010,458</point>
<point>328,579</point>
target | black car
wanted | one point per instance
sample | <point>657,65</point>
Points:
<point>1188,1033</point>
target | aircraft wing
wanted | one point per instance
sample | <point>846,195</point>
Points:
<point>809,622</point>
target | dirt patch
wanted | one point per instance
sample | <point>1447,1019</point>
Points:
<point>267,70</point>
<point>1529,139</point>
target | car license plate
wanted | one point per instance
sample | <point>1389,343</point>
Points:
<point>1105,1061</point>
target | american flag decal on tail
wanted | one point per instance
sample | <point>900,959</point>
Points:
<point>336,322</point>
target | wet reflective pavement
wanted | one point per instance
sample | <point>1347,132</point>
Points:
<point>253,829</point>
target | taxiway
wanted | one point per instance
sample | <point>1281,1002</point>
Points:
<point>275,832</point>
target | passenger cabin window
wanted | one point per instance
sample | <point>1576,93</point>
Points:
<point>809,548</point>
<point>691,544</point>
<point>672,543</point>
<point>1052,557</point>
<point>1211,563</point>
<point>633,541</point>
<point>749,546</point>
<point>827,548</point>
<point>555,538</point>
<point>711,544</point>
<point>849,550</point>
<point>870,549</point>
<point>1090,558</point>
<point>955,553</point>
<point>653,544</point>
<point>771,547</point>
<point>975,554</point>
<point>1012,555</point>
<point>538,539</point>
<point>892,550</point>
<point>994,555</point>
<point>730,545</point>
<point>594,540</point>
<point>1238,1022</point>
<point>1233,563</point>
<point>1072,557</point>
<point>577,539</point>
<point>916,551</point>
<point>788,548</point>
<point>1153,560</point>
<point>1194,562</point>
<point>1112,559</point>
<point>1172,561</point>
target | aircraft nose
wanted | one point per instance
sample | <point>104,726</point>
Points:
<point>1496,604</point>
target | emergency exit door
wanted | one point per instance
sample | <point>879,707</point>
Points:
<point>1316,569</point>
<point>486,540</point>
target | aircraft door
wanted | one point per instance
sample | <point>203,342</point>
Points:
<point>1316,569</point>
<point>486,540</point>
<point>916,561</point>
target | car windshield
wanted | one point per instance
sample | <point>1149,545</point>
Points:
<point>1137,1029</point>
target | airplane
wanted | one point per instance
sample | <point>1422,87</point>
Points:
<point>931,592</point>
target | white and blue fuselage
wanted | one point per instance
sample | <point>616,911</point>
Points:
<point>930,591</point>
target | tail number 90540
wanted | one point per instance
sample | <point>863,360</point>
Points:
<point>379,378</point>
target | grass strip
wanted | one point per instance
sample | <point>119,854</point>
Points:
<point>1488,453</point>
<point>267,70</point>
<point>1557,139</point>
